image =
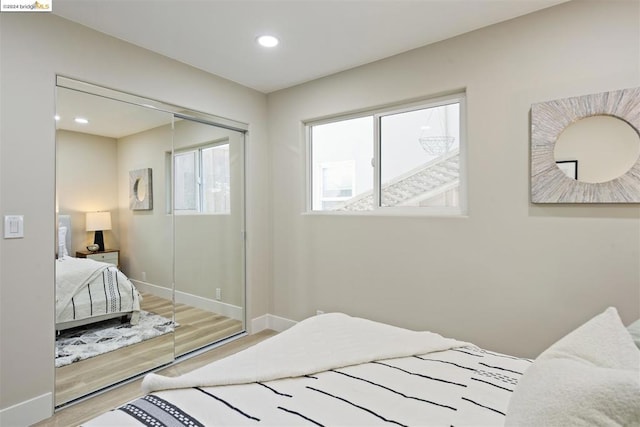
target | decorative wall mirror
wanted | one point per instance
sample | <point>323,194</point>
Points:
<point>586,149</point>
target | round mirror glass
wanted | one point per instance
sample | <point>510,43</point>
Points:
<point>140,189</point>
<point>597,149</point>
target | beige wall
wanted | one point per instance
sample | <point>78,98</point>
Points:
<point>33,48</point>
<point>86,181</point>
<point>146,235</point>
<point>511,276</point>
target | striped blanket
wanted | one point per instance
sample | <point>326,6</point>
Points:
<point>86,288</point>
<point>460,384</point>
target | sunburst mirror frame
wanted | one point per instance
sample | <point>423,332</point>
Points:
<point>548,119</point>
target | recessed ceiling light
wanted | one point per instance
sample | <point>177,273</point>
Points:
<point>268,41</point>
<point>56,117</point>
<point>81,120</point>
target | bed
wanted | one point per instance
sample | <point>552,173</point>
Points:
<point>337,370</point>
<point>88,291</point>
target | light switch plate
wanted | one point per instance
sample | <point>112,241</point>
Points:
<point>13,226</point>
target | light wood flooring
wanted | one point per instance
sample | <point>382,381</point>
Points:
<point>78,413</point>
<point>197,328</point>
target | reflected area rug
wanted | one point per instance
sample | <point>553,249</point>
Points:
<point>92,340</point>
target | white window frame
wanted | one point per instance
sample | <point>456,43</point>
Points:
<point>199,184</point>
<point>377,114</point>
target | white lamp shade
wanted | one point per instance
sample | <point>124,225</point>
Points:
<point>98,221</point>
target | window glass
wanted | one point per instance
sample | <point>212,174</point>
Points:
<point>337,183</point>
<point>341,154</point>
<point>216,189</point>
<point>186,188</point>
<point>420,157</point>
<point>392,159</point>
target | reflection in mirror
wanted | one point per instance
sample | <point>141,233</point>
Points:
<point>140,189</point>
<point>604,148</point>
<point>109,329</point>
<point>598,134</point>
<point>119,161</point>
<point>208,165</point>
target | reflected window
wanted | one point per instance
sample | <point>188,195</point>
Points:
<point>186,181</point>
<point>202,180</point>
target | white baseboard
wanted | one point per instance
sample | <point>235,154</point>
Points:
<point>228,310</point>
<point>152,289</point>
<point>28,412</point>
<point>269,321</point>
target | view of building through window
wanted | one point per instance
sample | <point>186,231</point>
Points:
<point>419,160</point>
<point>341,155</point>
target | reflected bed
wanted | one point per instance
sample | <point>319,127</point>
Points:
<point>88,291</point>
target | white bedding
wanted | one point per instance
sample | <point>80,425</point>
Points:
<point>591,377</point>
<point>335,370</point>
<point>87,289</point>
<point>316,344</point>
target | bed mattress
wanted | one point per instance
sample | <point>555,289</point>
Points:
<point>459,385</point>
<point>89,291</point>
<point>335,370</point>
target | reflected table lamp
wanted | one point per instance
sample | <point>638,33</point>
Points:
<point>98,221</point>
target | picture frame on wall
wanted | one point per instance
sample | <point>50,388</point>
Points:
<point>569,168</point>
<point>140,190</point>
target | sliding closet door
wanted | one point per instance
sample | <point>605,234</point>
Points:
<point>113,162</point>
<point>208,195</point>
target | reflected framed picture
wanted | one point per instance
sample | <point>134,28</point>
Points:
<point>569,167</point>
<point>140,190</point>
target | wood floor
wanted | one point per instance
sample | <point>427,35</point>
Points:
<point>197,328</point>
<point>78,413</point>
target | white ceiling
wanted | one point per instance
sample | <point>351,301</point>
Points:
<point>318,37</point>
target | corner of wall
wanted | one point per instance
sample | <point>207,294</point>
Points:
<point>269,321</point>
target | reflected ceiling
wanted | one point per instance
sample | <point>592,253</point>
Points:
<point>106,117</point>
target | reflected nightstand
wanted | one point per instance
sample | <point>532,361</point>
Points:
<point>111,256</point>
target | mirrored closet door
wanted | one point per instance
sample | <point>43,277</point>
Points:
<point>136,215</point>
<point>208,165</point>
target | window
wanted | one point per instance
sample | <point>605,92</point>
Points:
<point>337,181</point>
<point>202,180</point>
<point>389,160</point>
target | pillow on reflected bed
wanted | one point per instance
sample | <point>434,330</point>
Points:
<point>62,242</point>
<point>589,377</point>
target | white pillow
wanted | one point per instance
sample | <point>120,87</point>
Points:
<point>62,242</point>
<point>634,330</point>
<point>590,377</point>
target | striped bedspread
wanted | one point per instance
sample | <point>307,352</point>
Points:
<point>87,288</point>
<point>459,386</point>
<point>465,386</point>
